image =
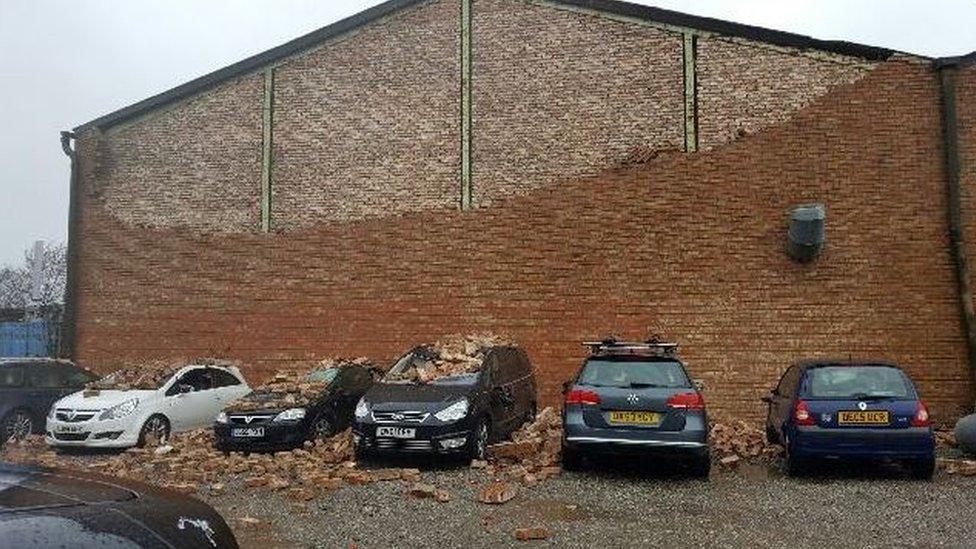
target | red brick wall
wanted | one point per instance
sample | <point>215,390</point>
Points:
<point>369,126</point>
<point>559,95</point>
<point>966,118</point>
<point>689,246</point>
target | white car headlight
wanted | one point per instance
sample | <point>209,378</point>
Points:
<point>291,414</point>
<point>362,409</point>
<point>120,410</point>
<point>453,412</point>
<point>221,417</point>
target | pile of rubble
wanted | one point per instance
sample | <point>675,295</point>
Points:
<point>734,441</point>
<point>292,388</point>
<point>451,356</point>
<point>189,464</point>
<point>533,454</point>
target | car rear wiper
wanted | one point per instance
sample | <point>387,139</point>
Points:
<point>865,396</point>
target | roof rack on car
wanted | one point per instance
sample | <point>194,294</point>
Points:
<point>651,347</point>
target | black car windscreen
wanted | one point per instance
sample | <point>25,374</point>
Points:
<point>857,382</point>
<point>628,373</point>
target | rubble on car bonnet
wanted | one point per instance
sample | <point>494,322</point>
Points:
<point>291,388</point>
<point>453,355</point>
<point>150,375</point>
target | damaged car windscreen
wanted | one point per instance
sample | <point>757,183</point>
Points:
<point>630,373</point>
<point>325,375</point>
<point>857,382</point>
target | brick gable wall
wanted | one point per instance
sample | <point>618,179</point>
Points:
<point>688,246</point>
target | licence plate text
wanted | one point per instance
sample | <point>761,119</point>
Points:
<point>68,429</point>
<point>863,417</point>
<point>247,432</point>
<point>635,418</point>
<point>395,432</point>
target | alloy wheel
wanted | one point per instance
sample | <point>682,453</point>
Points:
<point>18,427</point>
<point>323,429</point>
<point>481,443</point>
<point>157,432</point>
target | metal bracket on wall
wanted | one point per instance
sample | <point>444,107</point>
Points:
<point>689,57</point>
<point>466,96</point>
<point>267,123</point>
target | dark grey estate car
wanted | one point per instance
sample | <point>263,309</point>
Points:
<point>28,389</point>
<point>634,398</point>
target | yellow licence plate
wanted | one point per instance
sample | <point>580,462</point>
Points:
<point>635,418</point>
<point>858,417</point>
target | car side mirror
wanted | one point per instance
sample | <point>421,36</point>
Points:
<point>183,388</point>
<point>699,384</point>
<point>767,399</point>
<point>566,386</point>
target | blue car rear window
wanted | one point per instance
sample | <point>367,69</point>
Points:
<point>857,382</point>
<point>627,373</point>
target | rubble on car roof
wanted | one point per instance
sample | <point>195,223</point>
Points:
<point>290,388</point>
<point>452,355</point>
<point>150,375</point>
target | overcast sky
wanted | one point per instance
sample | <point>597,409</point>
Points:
<point>65,62</point>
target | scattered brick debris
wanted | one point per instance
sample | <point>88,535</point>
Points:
<point>451,356</point>
<point>294,388</point>
<point>496,493</point>
<point>531,533</point>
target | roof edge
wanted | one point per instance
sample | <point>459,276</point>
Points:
<point>613,7</point>
<point>959,61</point>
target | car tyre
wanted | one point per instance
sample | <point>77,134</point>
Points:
<point>16,427</point>
<point>323,428</point>
<point>155,431</point>
<point>702,466</point>
<point>478,445</point>
<point>572,459</point>
<point>922,469</point>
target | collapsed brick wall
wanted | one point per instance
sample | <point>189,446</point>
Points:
<point>744,87</point>
<point>195,165</point>
<point>688,246</point>
<point>369,126</point>
<point>560,95</point>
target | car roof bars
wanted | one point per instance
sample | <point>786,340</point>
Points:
<point>652,347</point>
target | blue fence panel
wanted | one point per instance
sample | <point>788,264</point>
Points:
<point>19,339</point>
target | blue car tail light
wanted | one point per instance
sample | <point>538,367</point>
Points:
<point>922,418</point>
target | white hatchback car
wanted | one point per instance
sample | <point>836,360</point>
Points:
<point>188,399</point>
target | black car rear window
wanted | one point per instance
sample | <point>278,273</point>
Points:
<point>630,373</point>
<point>857,382</point>
<point>11,376</point>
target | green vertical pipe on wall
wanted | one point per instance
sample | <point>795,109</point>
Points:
<point>689,57</point>
<point>267,122</point>
<point>466,95</point>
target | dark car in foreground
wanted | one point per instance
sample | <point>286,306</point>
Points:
<point>635,399</point>
<point>287,412</point>
<point>827,409</point>
<point>28,389</point>
<point>59,508</point>
<point>459,413</point>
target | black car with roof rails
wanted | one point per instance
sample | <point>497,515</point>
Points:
<point>455,414</point>
<point>286,412</point>
<point>42,507</point>
<point>28,389</point>
<point>635,398</point>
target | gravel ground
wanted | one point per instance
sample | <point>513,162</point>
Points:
<point>621,506</point>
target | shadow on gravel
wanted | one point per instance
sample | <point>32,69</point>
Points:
<point>81,451</point>
<point>424,463</point>
<point>630,468</point>
<point>830,470</point>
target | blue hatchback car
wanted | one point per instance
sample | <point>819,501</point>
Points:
<point>852,410</point>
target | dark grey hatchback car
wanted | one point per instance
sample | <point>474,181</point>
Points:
<point>635,398</point>
<point>28,389</point>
